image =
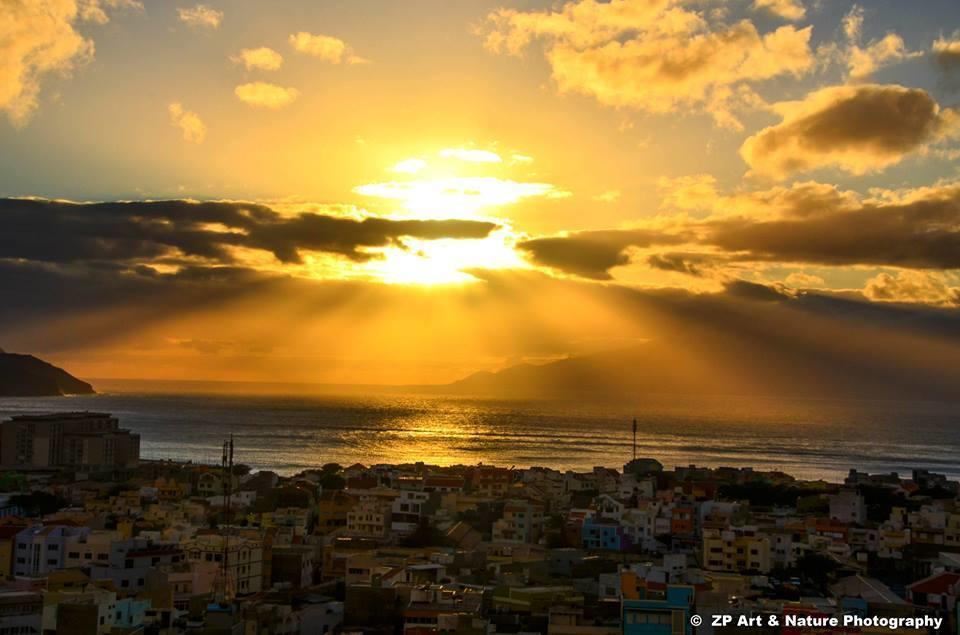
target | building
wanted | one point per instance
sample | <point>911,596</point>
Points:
<point>40,550</point>
<point>938,591</point>
<point>332,508</point>
<point>669,615</point>
<point>293,565</point>
<point>407,510</point>
<point>739,549</point>
<point>605,535</point>
<point>848,507</point>
<point>21,612</point>
<point>370,517</point>
<point>522,522</point>
<point>82,440</point>
<point>244,559</point>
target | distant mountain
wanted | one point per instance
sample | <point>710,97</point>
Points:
<point>724,366</point>
<point>27,376</point>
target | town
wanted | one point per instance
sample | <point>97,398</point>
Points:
<point>94,539</point>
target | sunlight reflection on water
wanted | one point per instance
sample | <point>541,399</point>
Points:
<point>807,438</point>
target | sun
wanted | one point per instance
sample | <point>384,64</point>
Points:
<point>446,262</point>
<point>452,183</point>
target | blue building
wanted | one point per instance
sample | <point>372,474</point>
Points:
<point>131,612</point>
<point>599,535</point>
<point>669,616</point>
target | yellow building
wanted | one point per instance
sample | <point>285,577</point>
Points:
<point>736,550</point>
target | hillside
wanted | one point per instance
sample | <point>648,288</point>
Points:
<point>27,376</point>
<point>724,366</point>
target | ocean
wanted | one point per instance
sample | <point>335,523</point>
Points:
<point>811,439</point>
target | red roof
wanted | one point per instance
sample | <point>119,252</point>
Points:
<point>939,583</point>
<point>10,531</point>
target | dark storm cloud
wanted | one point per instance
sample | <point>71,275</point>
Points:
<point>592,254</point>
<point>692,264</point>
<point>924,233</point>
<point>754,291</point>
<point>921,231</point>
<point>120,232</point>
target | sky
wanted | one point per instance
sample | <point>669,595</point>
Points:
<point>385,192</point>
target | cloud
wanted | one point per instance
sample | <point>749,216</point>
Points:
<point>755,292</point>
<point>466,194</point>
<point>592,254</point>
<point>802,280</point>
<point>326,47</point>
<point>861,61</point>
<point>471,156</point>
<point>38,39</point>
<point>190,124</point>
<point>658,56</point>
<point>947,50</point>
<point>858,129</point>
<point>201,16</point>
<point>913,287</point>
<point>266,95</point>
<point>409,166</point>
<point>786,9</point>
<point>701,194</point>
<point>93,10</point>
<point>917,229</point>
<point>946,54</point>
<point>182,232</point>
<point>807,223</point>
<point>692,264</point>
<point>610,196</point>
<point>262,58</point>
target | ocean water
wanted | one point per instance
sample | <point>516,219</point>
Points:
<point>287,433</point>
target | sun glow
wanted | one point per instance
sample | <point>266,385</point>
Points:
<point>457,196</point>
<point>434,262</point>
<point>451,183</point>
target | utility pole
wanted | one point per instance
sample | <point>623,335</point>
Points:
<point>634,438</point>
<point>225,591</point>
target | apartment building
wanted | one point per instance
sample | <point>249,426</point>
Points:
<point>83,440</point>
<point>737,549</point>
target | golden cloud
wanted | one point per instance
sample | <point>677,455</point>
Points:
<point>786,9</point>
<point>38,38</point>
<point>946,52</point>
<point>907,286</point>
<point>326,47</point>
<point>262,58</point>
<point>265,95</point>
<point>858,129</point>
<point>93,10</point>
<point>654,56</point>
<point>807,223</point>
<point>201,16</point>
<point>190,124</point>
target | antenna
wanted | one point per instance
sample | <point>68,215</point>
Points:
<point>224,591</point>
